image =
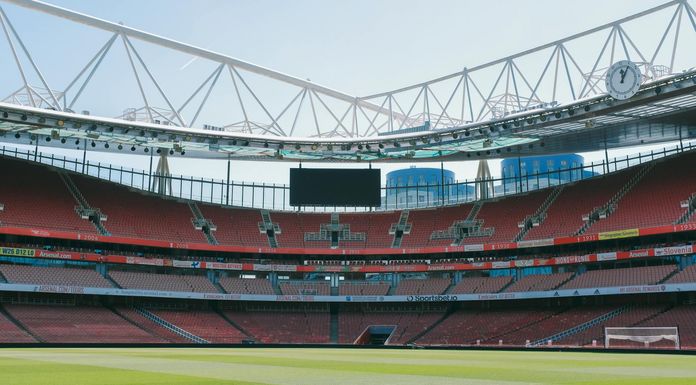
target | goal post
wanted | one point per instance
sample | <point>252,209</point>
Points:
<point>648,337</point>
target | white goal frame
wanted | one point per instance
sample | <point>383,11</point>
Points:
<point>646,335</point>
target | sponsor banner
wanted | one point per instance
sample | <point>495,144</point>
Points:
<point>524,263</point>
<point>473,247</point>
<point>431,298</point>
<point>501,265</point>
<point>621,290</point>
<point>222,266</point>
<point>571,259</point>
<point>144,261</point>
<point>606,256</point>
<point>187,264</point>
<point>674,250</point>
<point>639,253</point>
<point>535,243</point>
<point>627,233</point>
<point>17,252</point>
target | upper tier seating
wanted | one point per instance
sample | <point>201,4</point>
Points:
<point>305,288</point>
<point>246,286</point>
<point>136,215</point>
<point>655,200</point>
<point>503,215</point>
<point>539,282</point>
<point>62,276</point>
<point>87,324</point>
<point>163,282</point>
<point>375,226</point>
<point>284,327</point>
<point>425,222</point>
<point>649,275</point>
<point>363,288</point>
<point>422,286</point>
<point>564,216</point>
<point>205,324</point>
<point>471,285</point>
<point>239,227</point>
<point>36,197</point>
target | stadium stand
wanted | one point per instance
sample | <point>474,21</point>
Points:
<point>150,326</point>
<point>131,214</point>
<point>473,327</point>
<point>246,286</point>
<point>235,226</point>
<point>539,282</point>
<point>52,323</point>
<point>686,275</point>
<point>503,216</point>
<point>684,317</point>
<point>162,282</point>
<point>38,198</point>
<point>53,276</point>
<point>655,200</point>
<point>549,326</point>
<point>205,324</point>
<point>353,321</point>
<point>648,275</point>
<point>631,316</point>
<point>470,285</point>
<point>296,326</point>
<point>363,288</point>
<point>423,286</point>
<point>305,288</point>
<point>11,333</point>
<point>564,216</point>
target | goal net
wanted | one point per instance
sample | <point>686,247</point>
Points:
<point>641,337</point>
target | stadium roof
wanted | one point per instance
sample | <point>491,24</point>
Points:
<point>510,124</point>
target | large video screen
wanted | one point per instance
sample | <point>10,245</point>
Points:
<point>335,187</point>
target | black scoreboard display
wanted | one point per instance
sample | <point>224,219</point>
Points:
<point>335,187</point>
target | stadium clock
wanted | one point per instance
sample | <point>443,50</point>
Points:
<point>623,79</point>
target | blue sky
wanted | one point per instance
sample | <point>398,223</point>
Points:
<point>359,47</point>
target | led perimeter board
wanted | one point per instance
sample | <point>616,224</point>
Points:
<point>335,187</point>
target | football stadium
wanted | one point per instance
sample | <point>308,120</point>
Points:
<point>173,214</point>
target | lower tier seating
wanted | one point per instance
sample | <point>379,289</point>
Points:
<point>208,325</point>
<point>78,324</point>
<point>292,327</point>
<point>352,323</point>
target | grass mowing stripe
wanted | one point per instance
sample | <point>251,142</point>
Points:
<point>352,366</point>
<point>15,371</point>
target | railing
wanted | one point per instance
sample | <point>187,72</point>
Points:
<point>277,196</point>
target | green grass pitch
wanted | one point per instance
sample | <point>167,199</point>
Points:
<point>171,366</point>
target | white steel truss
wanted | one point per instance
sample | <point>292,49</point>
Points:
<point>475,94</point>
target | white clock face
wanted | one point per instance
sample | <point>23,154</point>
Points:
<point>623,79</point>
